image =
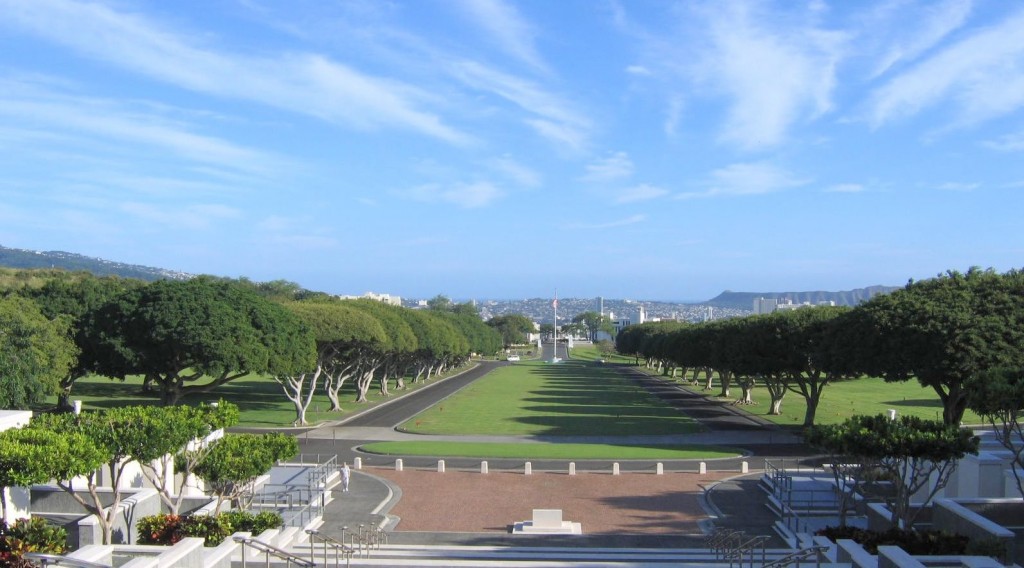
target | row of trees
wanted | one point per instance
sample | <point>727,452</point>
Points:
<point>946,332</point>
<point>192,336</point>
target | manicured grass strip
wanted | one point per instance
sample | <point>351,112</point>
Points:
<point>541,451</point>
<point>260,399</point>
<point>590,352</point>
<point>842,399</point>
<point>571,398</point>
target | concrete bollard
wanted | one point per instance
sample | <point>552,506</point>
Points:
<point>615,468</point>
<point>703,468</point>
<point>483,467</point>
<point>659,469</point>
<point>440,466</point>
<point>572,468</point>
<point>744,467</point>
<point>528,469</point>
<point>357,463</point>
<point>399,466</point>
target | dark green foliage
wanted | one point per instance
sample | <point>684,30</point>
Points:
<point>29,535</point>
<point>930,543</point>
<point>512,328</point>
<point>244,521</point>
<point>168,529</point>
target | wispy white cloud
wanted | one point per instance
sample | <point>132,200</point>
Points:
<point>631,220</point>
<point>982,76</point>
<point>642,192</point>
<point>72,117</point>
<point>614,167</point>
<point>638,70</point>
<point>752,178</point>
<point>774,71</point>
<point>465,195</point>
<point>674,115</point>
<point>1007,143</point>
<point>198,216</point>
<point>845,188</point>
<point>504,25</point>
<point>933,22</point>
<point>518,173</point>
<point>307,84</point>
<point>958,186</point>
<point>551,117</point>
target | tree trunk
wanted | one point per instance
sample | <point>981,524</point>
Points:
<point>725,377</point>
<point>707,379</point>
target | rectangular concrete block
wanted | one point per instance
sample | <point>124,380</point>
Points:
<point>547,518</point>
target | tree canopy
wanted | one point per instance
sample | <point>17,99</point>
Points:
<point>35,353</point>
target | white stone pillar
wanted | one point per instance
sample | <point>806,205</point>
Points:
<point>440,466</point>
<point>483,467</point>
<point>615,468</point>
<point>703,468</point>
<point>744,467</point>
<point>399,465</point>
<point>572,468</point>
<point>529,469</point>
<point>357,463</point>
<point>659,469</point>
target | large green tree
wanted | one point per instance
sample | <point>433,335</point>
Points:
<point>195,335</point>
<point>346,340</point>
<point>391,356</point>
<point>945,330</point>
<point>594,322</point>
<point>513,328</point>
<point>35,353</point>
<point>998,396</point>
<point>234,462</point>
<point>78,300</point>
<point>914,454</point>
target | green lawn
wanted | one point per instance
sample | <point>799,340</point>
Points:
<point>572,398</point>
<point>538,451</point>
<point>588,352</point>
<point>260,399</point>
<point>843,399</point>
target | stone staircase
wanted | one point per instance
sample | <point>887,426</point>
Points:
<point>534,557</point>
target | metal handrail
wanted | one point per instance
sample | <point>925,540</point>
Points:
<point>58,560</point>
<point>740,551</point>
<point>272,551</point>
<point>339,548</point>
<point>797,556</point>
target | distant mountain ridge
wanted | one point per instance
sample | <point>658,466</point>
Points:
<point>745,300</point>
<point>27,259</point>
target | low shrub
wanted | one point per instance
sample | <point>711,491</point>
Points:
<point>244,521</point>
<point>914,542</point>
<point>169,529</point>
<point>29,535</point>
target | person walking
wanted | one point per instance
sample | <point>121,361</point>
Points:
<point>346,475</point>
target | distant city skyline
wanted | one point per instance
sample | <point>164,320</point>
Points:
<point>503,149</point>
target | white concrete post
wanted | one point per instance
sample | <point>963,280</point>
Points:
<point>659,469</point>
<point>483,467</point>
<point>615,468</point>
<point>399,466</point>
<point>703,468</point>
<point>529,469</point>
<point>744,467</point>
<point>357,463</point>
<point>572,468</point>
<point>440,466</point>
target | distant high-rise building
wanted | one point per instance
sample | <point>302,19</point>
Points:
<point>765,305</point>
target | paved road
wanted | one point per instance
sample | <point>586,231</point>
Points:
<point>724,425</point>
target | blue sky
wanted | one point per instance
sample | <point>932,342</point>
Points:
<point>498,149</point>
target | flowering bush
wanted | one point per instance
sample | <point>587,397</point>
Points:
<point>29,535</point>
<point>169,529</point>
